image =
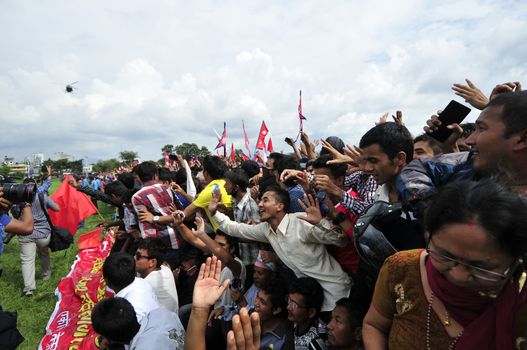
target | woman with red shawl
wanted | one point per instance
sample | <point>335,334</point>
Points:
<point>467,289</point>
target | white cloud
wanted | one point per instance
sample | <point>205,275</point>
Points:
<point>172,71</point>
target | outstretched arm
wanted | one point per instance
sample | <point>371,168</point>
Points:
<point>206,291</point>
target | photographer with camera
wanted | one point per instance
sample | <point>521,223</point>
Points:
<point>24,224</point>
<point>39,238</point>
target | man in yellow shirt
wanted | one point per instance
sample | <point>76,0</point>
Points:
<point>214,172</point>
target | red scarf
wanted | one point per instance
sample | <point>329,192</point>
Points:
<point>489,323</point>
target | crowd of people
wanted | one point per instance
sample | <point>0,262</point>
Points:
<point>401,242</point>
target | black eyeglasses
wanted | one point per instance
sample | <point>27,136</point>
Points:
<point>138,256</point>
<point>475,271</point>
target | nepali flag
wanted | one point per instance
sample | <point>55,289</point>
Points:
<point>246,140</point>
<point>223,140</point>
<point>270,145</point>
<point>244,156</point>
<point>260,144</point>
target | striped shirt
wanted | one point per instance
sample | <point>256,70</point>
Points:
<point>156,198</point>
<point>41,228</point>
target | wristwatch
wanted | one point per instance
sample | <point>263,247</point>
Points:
<point>155,220</point>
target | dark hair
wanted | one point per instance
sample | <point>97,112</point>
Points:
<point>336,142</point>
<point>514,113</point>
<point>392,138</point>
<point>281,196</point>
<point>233,241</point>
<point>116,188</point>
<point>119,270</point>
<point>165,175</point>
<point>500,211</point>
<point>468,129</point>
<point>146,171</point>
<point>277,293</point>
<point>238,177</point>
<point>154,248</point>
<point>432,143</point>
<point>287,162</point>
<point>127,179</point>
<point>180,177</point>
<point>311,290</point>
<point>337,170</point>
<point>214,166</point>
<point>251,168</point>
<point>355,311</point>
<point>276,157</point>
<point>115,319</point>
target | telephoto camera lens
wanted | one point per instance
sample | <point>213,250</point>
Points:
<point>20,193</point>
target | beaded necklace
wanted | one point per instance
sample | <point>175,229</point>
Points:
<point>446,322</point>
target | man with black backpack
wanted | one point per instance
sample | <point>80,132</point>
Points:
<point>38,240</point>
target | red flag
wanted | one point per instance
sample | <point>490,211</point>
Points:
<point>244,157</point>
<point>74,206</point>
<point>270,145</point>
<point>260,144</point>
<point>90,240</point>
<point>223,140</point>
<point>167,160</point>
<point>246,140</point>
<point>233,153</point>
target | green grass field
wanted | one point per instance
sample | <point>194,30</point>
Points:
<point>34,312</point>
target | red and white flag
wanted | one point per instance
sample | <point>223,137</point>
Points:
<point>233,153</point>
<point>223,140</point>
<point>260,144</point>
<point>246,140</point>
<point>270,145</point>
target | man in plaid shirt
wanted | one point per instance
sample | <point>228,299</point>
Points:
<point>152,204</point>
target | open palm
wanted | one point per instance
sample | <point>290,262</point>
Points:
<point>208,288</point>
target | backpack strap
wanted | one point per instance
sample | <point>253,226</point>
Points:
<point>41,199</point>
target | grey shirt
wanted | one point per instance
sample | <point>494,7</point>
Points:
<point>160,329</point>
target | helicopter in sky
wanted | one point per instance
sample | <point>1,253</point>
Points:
<point>69,88</point>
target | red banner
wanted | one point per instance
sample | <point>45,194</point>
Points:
<point>69,327</point>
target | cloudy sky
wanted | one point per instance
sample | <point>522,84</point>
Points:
<point>156,72</point>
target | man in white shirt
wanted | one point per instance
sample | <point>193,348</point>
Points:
<point>119,273</point>
<point>149,265</point>
<point>298,239</point>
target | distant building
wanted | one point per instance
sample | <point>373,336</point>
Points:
<point>35,159</point>
<point>8,160</point>
<point>62,155</point>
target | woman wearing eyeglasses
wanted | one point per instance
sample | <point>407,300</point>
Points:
<point>467,289</point>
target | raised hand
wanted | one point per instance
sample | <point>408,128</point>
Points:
<point>324,183</point>
<point>450,144</point>
<point>200,227</point>
<point>398,118</point>
<point>504,88</point>
<point>472,94</point>
<point>383,119</point>
<point>337,156</point>
<point>214,202</point>
<point>312,209</point>
<point>208,289</point>
<point>245,333</point>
